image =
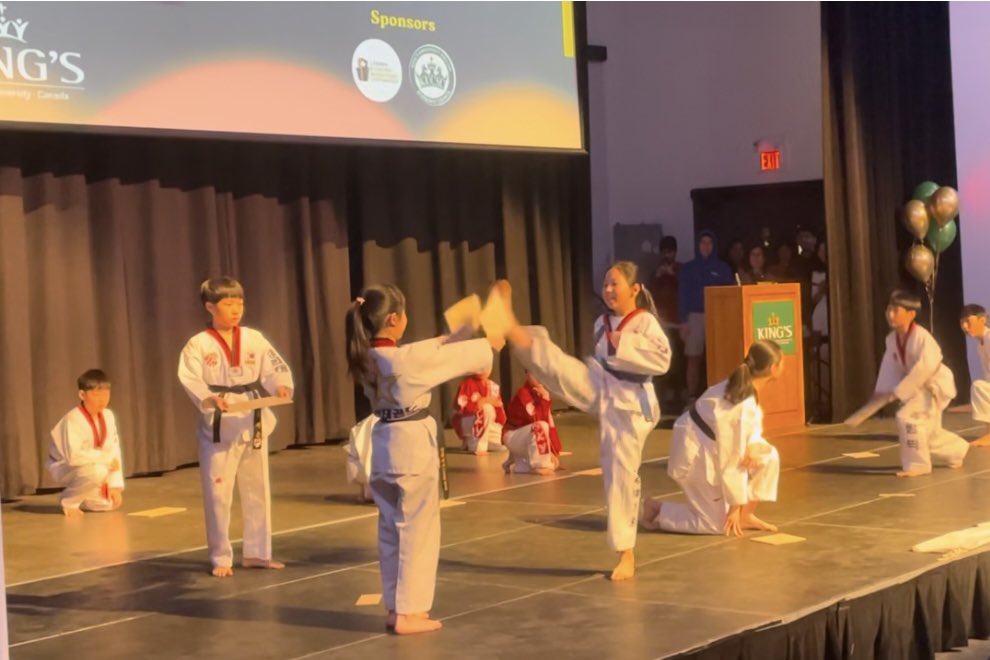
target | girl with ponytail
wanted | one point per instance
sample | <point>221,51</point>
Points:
<point>616,385</point>
<point>405,464</point>
<point>719,456</point>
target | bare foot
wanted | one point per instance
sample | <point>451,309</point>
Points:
<point>411,624</point>
<point>651,509</point>
<point>626,567</point>
<point>544,472</point>
<point>752,522</point>
<point>73,512</point>
<point>508,465</point>
<point>254,562</point>
<point>982,441</point>
<point>364,496</point>
<point>913,473</point>
<point>222,571</point>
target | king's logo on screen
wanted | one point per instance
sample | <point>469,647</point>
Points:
<point>33,65</point>
<point>432,72</point>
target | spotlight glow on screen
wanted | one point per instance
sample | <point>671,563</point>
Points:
<point>969,25</point>
<point>472,73</point>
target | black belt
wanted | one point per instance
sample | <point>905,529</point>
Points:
<point>700,423</point>
<point>392,415</point>
<point>626,376</point>
<point>251,388</point>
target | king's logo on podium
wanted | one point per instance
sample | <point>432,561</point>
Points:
<point>774,321</point>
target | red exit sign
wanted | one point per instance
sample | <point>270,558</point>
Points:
<point>770,160</point>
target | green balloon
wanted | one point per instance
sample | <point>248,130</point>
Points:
<point>940,238</point>
<point>925,190</point>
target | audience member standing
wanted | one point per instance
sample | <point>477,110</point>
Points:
<point>664,288</point>
<point>704,270</point>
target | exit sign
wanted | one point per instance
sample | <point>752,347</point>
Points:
<point>770,160</point>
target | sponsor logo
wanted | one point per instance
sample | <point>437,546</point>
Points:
<point>432,73</point>
<point>377,70</point>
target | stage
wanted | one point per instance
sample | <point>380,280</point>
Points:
<point>523,565</point>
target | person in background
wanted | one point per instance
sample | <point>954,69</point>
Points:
<point>663,287</point>
<point>783,269</point>
<point>756,266</point>
<point>704,270</point>
<point>735,256</point>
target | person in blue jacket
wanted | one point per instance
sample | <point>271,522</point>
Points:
<point>705,269</point>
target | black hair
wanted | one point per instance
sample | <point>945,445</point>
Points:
<point>762,356</point>
<point>93,379</point>
<point>906,299</point>
<point>216,289</point>
<point>644,299</point>
<point>365,320</point>
<point>972,310</point>
<point>668,243</point>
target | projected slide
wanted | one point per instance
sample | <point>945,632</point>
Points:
<point>474,73</point>
<point>969,25</point>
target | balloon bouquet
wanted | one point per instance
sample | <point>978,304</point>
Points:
<point>931,218</point>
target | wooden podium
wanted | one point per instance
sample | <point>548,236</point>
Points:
<point>735,316</point>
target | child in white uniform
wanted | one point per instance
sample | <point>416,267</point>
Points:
<point>974,323</point>
<point>719,456</point>
<point>616,385</point>
<point>913,373</point>
<point>224,364</point>
<point>84,451</point>
<point>405,460</point>
<point>359,457</point>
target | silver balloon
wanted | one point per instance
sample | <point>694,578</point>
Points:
<point>916,218</point>
<point>944,205</point>
<point>920,262</point>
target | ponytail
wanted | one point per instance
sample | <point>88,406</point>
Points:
<point>762,356</point>
<point>644,299</point>
<point>364,320</point>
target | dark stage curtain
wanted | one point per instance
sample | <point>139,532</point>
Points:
<point>105,239</point>
<point>887,114</point>
<point>936,611</point>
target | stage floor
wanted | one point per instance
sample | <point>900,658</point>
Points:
<point>522,569</point>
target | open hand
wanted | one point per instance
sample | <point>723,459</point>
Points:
<point>733,524</point>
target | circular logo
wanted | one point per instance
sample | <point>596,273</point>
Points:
<point>377,70</point>
<point>432,72</point>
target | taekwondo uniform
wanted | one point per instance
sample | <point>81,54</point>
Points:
<point>530,434</point>
<point>913,371</point>
<point>616,385</point>
<point>709,444</point>
<point>359,451</point>
<point>79,457</point>
<point>980,390</point>
<point>234,446</point>
<point>479,426</point>
<point>405,460</point>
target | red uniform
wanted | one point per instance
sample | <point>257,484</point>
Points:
<point>478,424</point>
<point>529,406</point>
